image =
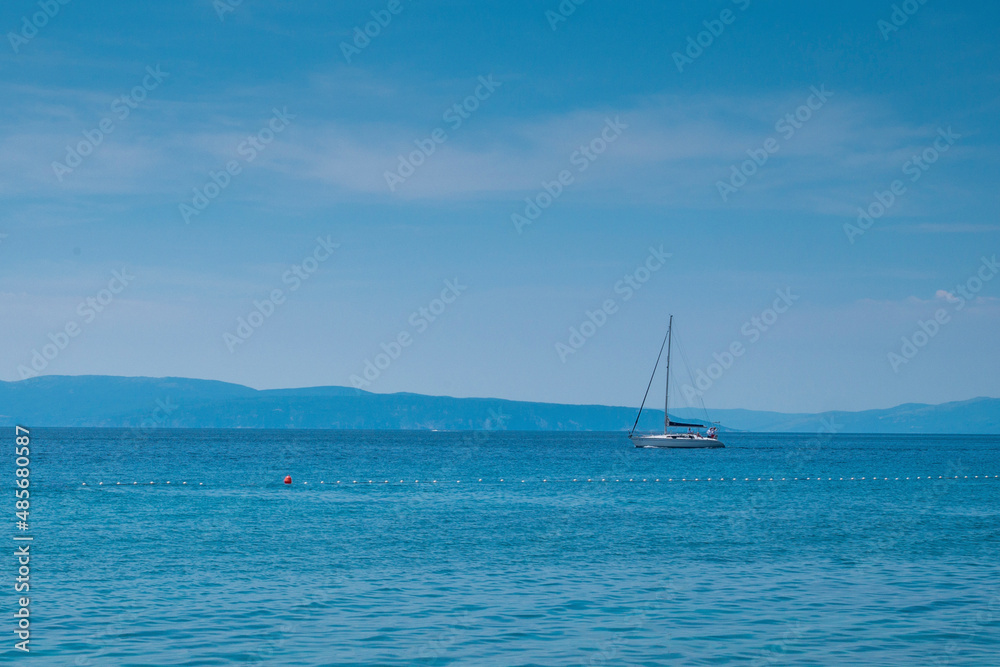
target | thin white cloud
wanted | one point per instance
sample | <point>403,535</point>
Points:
<point>674,151</point>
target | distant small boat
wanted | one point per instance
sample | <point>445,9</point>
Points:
<point>668,440</point>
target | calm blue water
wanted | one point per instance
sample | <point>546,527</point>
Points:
<point>235,567</point>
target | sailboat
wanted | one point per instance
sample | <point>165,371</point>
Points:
<point>668,440</point>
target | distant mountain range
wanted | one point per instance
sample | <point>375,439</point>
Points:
<point>96,400</point>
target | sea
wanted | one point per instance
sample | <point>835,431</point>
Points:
<point>186,547</point>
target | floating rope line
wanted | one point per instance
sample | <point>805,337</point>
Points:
<point>606,480</point>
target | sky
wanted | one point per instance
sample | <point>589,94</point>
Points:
<point>506,199</point>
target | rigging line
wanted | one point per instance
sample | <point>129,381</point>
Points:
<point>687,367</point>
<point>662,345</point>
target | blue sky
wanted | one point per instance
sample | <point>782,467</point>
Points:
<point>887,96</point>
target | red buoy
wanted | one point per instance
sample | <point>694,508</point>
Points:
<point>288,479</point>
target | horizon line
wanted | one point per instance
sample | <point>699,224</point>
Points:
<point>481,398</point>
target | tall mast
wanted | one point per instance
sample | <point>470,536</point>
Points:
<point>666,394</point>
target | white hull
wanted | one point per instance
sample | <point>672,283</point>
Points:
<point>676,441</point>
